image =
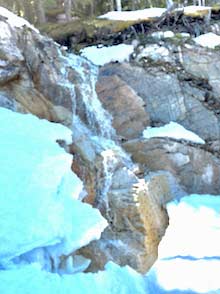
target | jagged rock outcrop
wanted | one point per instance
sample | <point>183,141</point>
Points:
<point>27,77</point>
<point>134,208</point>
<point>138,220</point>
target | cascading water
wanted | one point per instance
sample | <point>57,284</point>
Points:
<point>99,120</point>
<point>99,123</point>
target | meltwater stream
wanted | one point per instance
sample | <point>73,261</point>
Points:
<point>99,120</point>
<point>98,126</point>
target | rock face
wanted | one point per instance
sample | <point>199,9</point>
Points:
<point>27,77</point>
<point>126,108</point>
<point>176,83</point>
<point>168,97</point>
<point>198,170</point>
<point>134,208</point>
<point>138,221</point>
<point>204,65</point>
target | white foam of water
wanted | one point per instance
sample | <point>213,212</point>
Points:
<point>99,119</point>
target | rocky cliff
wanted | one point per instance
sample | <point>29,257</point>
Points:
<point>127,177</point>
<point>39,77</point>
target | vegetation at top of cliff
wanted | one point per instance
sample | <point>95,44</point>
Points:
<point>90,30</point>
<point>73,22</point>
<point>40,12</point>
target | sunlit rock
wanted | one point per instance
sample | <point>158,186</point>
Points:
<point>197,170</point>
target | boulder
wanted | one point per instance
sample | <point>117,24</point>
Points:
<point>198,170</point>
<point>137,220</point>
<point>29,77</point>
<point>125,106</point>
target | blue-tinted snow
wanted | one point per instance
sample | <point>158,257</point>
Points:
<point>209,40</point>
<point>38,205</point>
<point>103,55</point>
<point>172,130</point>
<point>30,279</point>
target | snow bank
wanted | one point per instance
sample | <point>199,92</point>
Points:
<point>189,253</point>
<point>152,13</point>
<point>197,234</point>
<point>195,9</point>
<point>14,20</point>
<point>30,279</point>
<point>143,14</point>
<point>39,192</point>
<point>103,55</point>
<point>209,40</point>
<point>172,130</point>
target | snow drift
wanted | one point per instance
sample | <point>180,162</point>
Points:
<point>39,192</point>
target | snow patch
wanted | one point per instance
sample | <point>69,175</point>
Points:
<point>143,14</point>
<point>14,20</point>
<point>178,276</point>
<point>30,279</point>
<point>209,40</point>
<point>151,13</point>
<point>189,253</point>
<point>172,130</point>
<point>194,225</point>
<point>103,55</point>
<point>192,9</point>
<point>168,34</point>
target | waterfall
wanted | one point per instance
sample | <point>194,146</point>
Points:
<point>113,156</point>
<point>99,120</point>
<point>98,127</point>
